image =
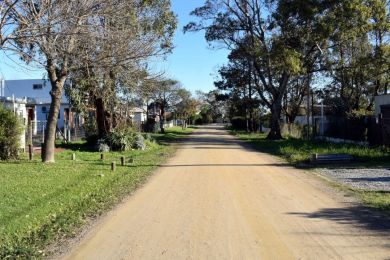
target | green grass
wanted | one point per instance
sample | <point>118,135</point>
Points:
<point>41,203</point>
<point>297,150</point>
<point>375,199</point>
<point>173,134</point>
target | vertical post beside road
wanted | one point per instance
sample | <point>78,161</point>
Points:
<point>30,152</point>
<point>113,166</point>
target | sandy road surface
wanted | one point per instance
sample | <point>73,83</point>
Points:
<point>217,199</point>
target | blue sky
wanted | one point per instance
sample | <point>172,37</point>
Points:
<point>192,62</point>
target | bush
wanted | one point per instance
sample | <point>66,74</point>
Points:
<point>121,139</point>
<point>238,123</point>
<point>102,146</point>
<point>139,142</point>
<point>10,132</point>
<point>91,133</point>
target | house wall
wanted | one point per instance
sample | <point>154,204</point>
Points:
<point>379,101</point>
<point>25,88</point>
<point>42,111</point>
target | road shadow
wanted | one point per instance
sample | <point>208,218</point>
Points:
<point>372,179</point>
<point>356,215</point>
<point>212,165</point>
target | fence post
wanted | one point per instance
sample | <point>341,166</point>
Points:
<point>30,152</point>
<point>30,133</point>
<point>113,166</point>
<point>73,157</point>
<point>42,151</point>
<point>69,134</point>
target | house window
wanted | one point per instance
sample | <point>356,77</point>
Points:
<point>44,110</point>
<point>37,86</point>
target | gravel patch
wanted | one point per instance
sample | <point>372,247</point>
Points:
<point>368,178</point>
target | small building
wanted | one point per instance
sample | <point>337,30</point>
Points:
<point>138,115</point>
<point>33,89</point>
<point>36,92</point>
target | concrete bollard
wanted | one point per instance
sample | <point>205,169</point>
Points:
<point>73,157</point>
<point>113,166</point>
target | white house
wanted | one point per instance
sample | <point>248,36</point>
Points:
<point>36,92</point>
<point>138,114</point>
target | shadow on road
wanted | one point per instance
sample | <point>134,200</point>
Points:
<point>359,216</point>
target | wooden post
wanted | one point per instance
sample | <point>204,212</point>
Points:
<point>102,156</point>
<point>30,152</point>
<point>42,151</point>
<point>122,161</point>
<point>73,157</point>
<point>30,133</point>
<point>113,166</point>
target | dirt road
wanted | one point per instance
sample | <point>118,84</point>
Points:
<point>217,199</point>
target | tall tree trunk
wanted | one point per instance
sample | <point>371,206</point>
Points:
<point>275,132</point>
<point>162,119</point>
<point>51,125</point>
<point>102,124</point>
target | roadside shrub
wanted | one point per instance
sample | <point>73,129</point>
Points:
<point>198,121</point>
<point>10,132</point>
<point>102,146</point>
<point>148,137</point>
<point>91,133</point>
<point>121,139</point>
<point>151,126</point>
<point>238,123</point>
<point>139,142</point>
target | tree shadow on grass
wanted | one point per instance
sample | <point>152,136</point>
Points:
<point>77,146</point>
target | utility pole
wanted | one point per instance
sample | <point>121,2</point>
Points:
<point>308,108</point>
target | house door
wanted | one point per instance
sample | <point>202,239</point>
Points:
<point>66,116</point>
<point>30,115</point>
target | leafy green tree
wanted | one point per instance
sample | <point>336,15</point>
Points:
<point>10,134</point>
<point>272,43</point>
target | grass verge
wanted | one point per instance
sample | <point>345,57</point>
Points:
<point>41,203</point>
<point>296,151</point>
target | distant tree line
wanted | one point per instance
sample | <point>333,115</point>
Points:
<point>281,49</point>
